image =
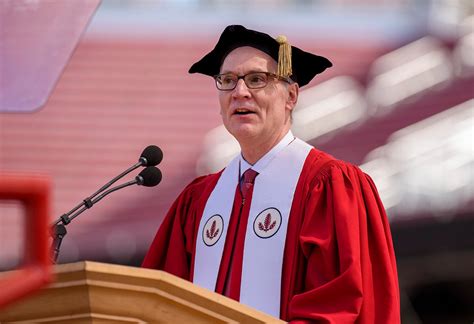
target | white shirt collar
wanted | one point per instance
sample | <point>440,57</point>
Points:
<point>260,165</point>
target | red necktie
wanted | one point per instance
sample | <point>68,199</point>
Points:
<point>248,179</point>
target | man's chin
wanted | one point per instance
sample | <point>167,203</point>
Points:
<point>244,132</point>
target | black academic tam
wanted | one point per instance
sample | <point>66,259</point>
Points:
<point>304,65</point>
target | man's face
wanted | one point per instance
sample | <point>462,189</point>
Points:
<point>256,115</point>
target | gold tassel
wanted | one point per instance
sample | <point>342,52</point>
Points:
<point>284,57</point>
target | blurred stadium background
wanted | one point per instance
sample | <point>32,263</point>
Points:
<point>398,102</point>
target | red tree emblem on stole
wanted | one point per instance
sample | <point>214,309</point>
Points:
<point>267,224</point>
<point>213,231</point>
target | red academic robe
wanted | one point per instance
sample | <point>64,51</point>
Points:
<point>339,263</point>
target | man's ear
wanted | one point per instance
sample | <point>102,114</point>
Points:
<point>293,92</point>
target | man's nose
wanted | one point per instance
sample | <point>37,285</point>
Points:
<point>241,89</point>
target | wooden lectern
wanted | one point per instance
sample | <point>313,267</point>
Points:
<point>90,292</point>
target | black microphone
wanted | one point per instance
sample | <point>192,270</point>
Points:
<point>151,156</point>
<point>149,177</point>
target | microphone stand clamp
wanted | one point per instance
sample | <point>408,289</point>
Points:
<point>58,233</point>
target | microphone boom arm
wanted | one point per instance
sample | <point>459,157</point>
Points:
<point>149,177</point>
<point>94,201</point>
<point>88,202</point>
<point>59,228</point>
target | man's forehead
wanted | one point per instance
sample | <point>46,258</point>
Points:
<point>247,55</point>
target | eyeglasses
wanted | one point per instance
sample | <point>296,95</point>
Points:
<point>253,80</point>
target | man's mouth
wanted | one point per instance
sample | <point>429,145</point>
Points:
<point>243,111</point>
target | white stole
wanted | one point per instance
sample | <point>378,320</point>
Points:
<point>272,198</point>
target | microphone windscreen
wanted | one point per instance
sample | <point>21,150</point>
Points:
<point>152,154</point>
<point>151,176</point>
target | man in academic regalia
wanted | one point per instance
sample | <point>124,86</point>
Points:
<point>284,228</point>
